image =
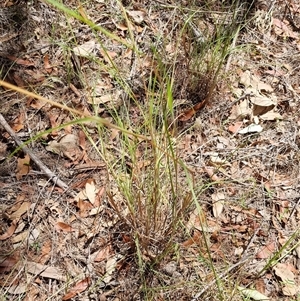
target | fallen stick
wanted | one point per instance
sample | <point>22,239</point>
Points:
<point>243,260</point>
<point>33,157</point>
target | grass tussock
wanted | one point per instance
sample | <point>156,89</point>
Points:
<point>138,96</point>
<point>150,189</point>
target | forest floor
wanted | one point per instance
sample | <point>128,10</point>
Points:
<point>212,214</point>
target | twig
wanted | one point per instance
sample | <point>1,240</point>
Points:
<point>243,259</point>
<point>33,157</point>
<point>294,209</point>
<point>223,275</point>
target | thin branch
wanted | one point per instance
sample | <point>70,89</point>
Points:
<point>243,260</point>
<point>33,157</point>
<point>222,276</point>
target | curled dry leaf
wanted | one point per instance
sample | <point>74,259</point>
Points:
<point>91,191</point>
<point>79,287</point>
<point>281,28</point>
<point>10,231</point>
<point>196,239</point>
<point>64,227</point>
<point>211,173</point>
<point>216,160</point>
<point>54,121</point>
<point>18,289</point>
<point>283,271</point>
<point>263,101</point>
<point>45,271</point>
<point>32,293</point>
<point>20,211</point>
<point>45,252</point>
<point>23,167</point>
<point>8,263</point>
<point>262,105</point>
<point>103,254</point>
<point>137,15</point>
<point>84,207</point>
<point>111,265</point>
<point>64,144</point>
<point>271,115</point>
<point>298,251</point>
<point>266,251</point>
<point>189,113</point>
<point>47,65</point>
<point>108,55</point>
<point>249,80</point>
<point>218,203</point>
<point>19,61</point>
<point>18,124</point>
<point>67,146</point>
<point>197,219</point>
<point>96,210</point>
<point>81,139</point>
<point>3,150</point>
<point>260,285</point>
<point>20,237</point>
<point>85,50</point>
<point>253,294</point>
<point>240,110</point>
<point>123,26</point>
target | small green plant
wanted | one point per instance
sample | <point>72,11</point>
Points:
<point>36,247</point>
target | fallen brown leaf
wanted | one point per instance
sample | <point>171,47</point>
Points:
<point>281,28</point>
<point>84,207</point>
<point>47,65</point>
<point>234,128</point>
<point>45,252</point>
<point>287,276</point>
<point>266,251</point>
<point>137,15</point>
<point>18,123</point>
<point>45,271</point>
<point>20,211</point>
<point>18,80</point>
<point>20,61</point>
<point>81,139</point>
<point>91,192</point>
<point>260,286</point>
<point>108,57</point>
<point>78,288</point>
<point>188,114</point>
<point>53,118</point>
<point>196,239</point>
<point>10,231</point>
<point>86,49</point>
<point>218,203</point>
<point>23,167</point>
<point>110,267</point>
<point>64,227</point>
<point>211,173</point>
<point>32,294</point>
<point>197,219</point>
<point>8,263</point>
<point>103,254</point>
